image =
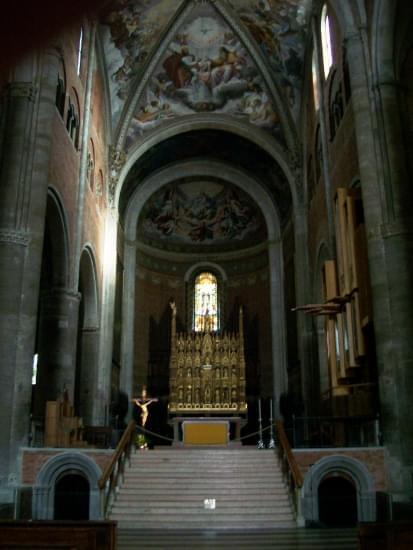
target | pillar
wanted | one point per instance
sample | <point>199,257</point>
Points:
<point>27,111</point>
<point>387,199</point>
<point>57,338</point>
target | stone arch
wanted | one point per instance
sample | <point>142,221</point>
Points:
<point>88,336</point>
<point>141,81</point>
<point>52,470</point>
<point>264,201</point>
<point>203,122</point>
<point>56,243</point>
<point>349,468</point>
<point>53,299</point>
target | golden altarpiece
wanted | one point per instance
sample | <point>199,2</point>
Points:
<point>207,370</point>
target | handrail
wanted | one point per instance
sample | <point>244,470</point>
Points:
<point>112,474</point>
<point>290,470</point>
<point>284,446</point>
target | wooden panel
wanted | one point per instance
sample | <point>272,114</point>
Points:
<point>48,535</point>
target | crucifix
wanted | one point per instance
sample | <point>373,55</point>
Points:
<point>143,403</point>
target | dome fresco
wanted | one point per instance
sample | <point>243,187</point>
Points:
<point>189,215</point>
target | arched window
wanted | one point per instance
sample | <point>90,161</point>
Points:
<point>205,302</point>
<point>326,44</point>
<point>91,165</point>
<point>79,50</point>
<point>315,82</point>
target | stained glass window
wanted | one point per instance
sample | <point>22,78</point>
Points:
<point>206,302</point>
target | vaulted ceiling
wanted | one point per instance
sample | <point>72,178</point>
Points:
<point>179,60</point>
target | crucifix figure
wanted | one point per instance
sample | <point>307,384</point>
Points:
<point>143,403</point>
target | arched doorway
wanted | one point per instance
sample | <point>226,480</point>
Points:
<point>71,497</point>
<point>337,502</point>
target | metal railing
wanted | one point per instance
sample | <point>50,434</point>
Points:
<point>113,474</point>
<point>337,431</point>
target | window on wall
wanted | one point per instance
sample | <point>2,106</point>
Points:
<point>326,43</point>
<point>315,82</point>
<point>79,50</point>
<point>72,123</point>
<point>205,302</point>
<point>60,95</point>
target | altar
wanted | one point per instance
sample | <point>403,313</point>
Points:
<point>207,431</point>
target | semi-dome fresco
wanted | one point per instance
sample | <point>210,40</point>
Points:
<point>205,68</point>
<point>187,215</point>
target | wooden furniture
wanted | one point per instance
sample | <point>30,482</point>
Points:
<point>62,427</point>
<point>65,535</point>
<point>386,536</point>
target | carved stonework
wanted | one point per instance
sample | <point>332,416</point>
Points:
<point>21,89</point>
<point>207,371</point>
<point>15,237</point>
<point>117,160</point>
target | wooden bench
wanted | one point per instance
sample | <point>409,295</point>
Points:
<point>57,535</point>
<point>386,536</point>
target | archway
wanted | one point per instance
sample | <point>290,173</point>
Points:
<point>54,312</point>
<point>66,466</point>
<point>350,470</point>
<point>270,191</point>
<point>88,338</point>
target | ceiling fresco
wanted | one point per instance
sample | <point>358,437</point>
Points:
<point>130,30</point>
<point>204,69</point>
<point>278,27</point>
<point>190,214</point>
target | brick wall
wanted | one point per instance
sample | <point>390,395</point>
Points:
<point>33,459</point>
<point>372,458</point>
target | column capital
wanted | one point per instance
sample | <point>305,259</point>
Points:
<point>22,90</point>
<point>13,236</point>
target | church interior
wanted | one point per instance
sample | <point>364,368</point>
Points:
<point>206,247</point>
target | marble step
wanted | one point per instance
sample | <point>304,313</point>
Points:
<point>282,539</point>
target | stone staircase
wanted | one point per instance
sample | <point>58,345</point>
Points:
<point>214,489</point>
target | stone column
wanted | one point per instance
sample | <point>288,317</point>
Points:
<point>57,338</point>
<point>387,198</point>
<point>303,294</point>
<point>278,332</point>
<point>102,390</point>
<point>28,109</point>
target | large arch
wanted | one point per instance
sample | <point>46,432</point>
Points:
<point>264,201</point>
<point>224,123</point>
<point>62,464</point>
<point>347,467</point>
<point>88,337</point>
<point>53,300</point>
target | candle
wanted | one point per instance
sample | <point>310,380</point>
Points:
<point>271,409</point>
<point>259,407</point>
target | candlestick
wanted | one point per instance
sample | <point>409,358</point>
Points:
<point>271,444</point>
<point>260,444</point>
